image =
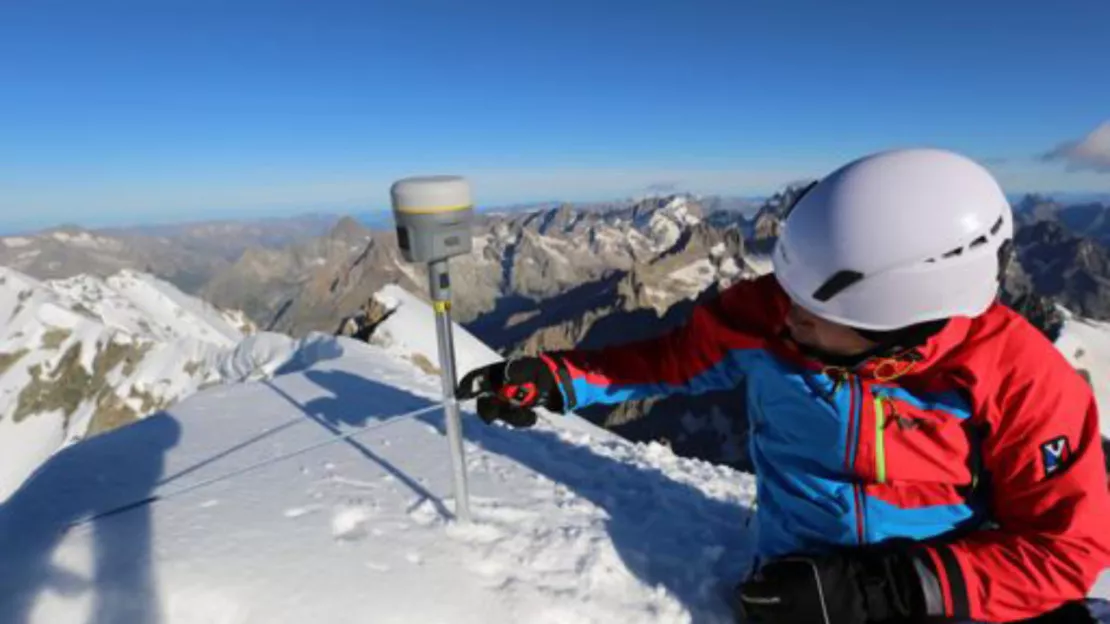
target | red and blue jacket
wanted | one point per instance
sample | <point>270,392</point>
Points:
<point>982,445</point>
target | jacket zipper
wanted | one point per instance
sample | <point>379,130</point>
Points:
<point>880,445</point>
<point>855,424</point>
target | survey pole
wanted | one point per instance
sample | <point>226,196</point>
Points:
<point>433,216</point>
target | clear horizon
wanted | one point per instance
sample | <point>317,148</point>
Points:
<point>150,113</point>
<point>364,214</point>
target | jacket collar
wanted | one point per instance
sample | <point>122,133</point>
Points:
<point>886,367</point>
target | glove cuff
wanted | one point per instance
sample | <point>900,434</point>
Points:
<point>893,589</point>
<point>932,595</point>
<point>560,372</point>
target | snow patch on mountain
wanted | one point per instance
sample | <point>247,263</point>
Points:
<point>85,239</point>
<point>16,241</point>
<point>758,265</point>
<point>409,332</point>
<point>679,209</point>
<point>129,300</point>
<point>699,273</point>
<point>1086,344</point>
<point>555,248</point>
<point>664,231</point>
<point>85,355</point>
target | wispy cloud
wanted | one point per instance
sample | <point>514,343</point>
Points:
<point>1091,152</point>
<point>661,187</point>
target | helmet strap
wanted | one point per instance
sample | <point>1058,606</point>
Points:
<point>887,344</point>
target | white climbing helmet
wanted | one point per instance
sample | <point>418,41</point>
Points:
<point>895,239</point>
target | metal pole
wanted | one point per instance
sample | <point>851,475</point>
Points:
<point>440,287</point>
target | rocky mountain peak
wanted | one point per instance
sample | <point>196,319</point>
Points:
<point>1050,233</point>
<point>767,224</point>
<point>1070,269</point>
<point>560,220</point>
<point>350,230</point>
<point>1030,200</point>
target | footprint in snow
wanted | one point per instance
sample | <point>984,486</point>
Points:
<point>349,523</point>
<point>505,514</point>
<point>424,513</point>
<point>489,568</point>
<point>475,533</point>
<point>297,512</point>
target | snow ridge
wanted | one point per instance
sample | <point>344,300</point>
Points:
<point>84,355</point>
<point>572,524</point>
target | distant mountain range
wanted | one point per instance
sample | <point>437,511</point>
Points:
<point>567,276</point>
<point>1088,219</point>
<point>188,255</point>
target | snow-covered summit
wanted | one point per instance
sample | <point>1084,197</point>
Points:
<point>85,355</point>
<point>572,524</point>
<point>130,300</point>
<point>1086,344</point>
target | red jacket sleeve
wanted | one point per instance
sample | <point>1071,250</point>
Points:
<point>1047,477</point>
<point>706,353</point>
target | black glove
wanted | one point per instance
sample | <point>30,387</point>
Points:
<point>508,390</point>
<point>857,586</point>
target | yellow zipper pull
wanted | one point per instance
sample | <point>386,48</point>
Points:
<point>880,446</point>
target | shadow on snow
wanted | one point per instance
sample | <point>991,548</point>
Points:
<point>120,466</point>
<point>668,534</point>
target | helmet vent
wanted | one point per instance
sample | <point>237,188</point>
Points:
<point>835,284</point>
<point>997,226</point>
<point>982,240</point>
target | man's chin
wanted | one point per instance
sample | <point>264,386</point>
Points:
<point>802,341</point>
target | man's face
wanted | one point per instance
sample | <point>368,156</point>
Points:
<point>817,333</point>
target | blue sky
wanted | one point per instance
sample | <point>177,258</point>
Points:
<point>118,111</point>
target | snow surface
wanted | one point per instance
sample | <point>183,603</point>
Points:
<point>1086,344</point>
<point>759,265</point>
<point>480,242</point>
<point>679,209</point>
<point>130,300</point>
<point>178,344</point>
<point>572,525</point>
<point>729,268</point>
<point>554,248</point>
<point>698,274</point>
<point>410,330</point>
<point>81,239</point>
<point>16,241</point>
<point>664,231</point>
